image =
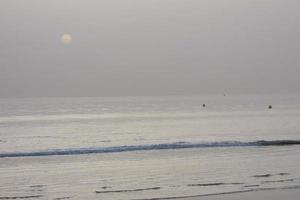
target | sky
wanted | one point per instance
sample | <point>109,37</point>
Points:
<point>148,47</point>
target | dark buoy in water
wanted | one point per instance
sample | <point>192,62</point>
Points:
<point>204,105</point>
<point>270,107</point>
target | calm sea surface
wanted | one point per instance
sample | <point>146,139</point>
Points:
<point>148,147</point>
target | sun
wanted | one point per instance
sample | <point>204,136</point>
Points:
<point>66,38</point>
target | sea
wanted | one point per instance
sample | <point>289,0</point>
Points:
<point>139,148</point>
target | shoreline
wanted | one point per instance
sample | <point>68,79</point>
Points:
<point>263,194</point>
<point>288,193</point>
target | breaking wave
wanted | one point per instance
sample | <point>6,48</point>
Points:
<point>148,147</point>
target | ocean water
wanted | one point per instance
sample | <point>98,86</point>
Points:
<point>148,147</point>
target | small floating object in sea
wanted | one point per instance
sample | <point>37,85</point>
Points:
<point>203,105</point>
<point>270,107</point>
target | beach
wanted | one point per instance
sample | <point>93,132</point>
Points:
<point>290,194</point>
<point>150,100</point>
<point>129,148</point>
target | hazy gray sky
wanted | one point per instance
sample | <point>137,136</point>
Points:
<point>148,47</point>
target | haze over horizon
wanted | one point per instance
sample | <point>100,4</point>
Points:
<point>134,47</point>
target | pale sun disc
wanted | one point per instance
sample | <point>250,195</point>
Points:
<point>66,39</point>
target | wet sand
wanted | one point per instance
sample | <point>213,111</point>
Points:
<point>286,194</point>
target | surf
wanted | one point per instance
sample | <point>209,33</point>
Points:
<point>150,147</point>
